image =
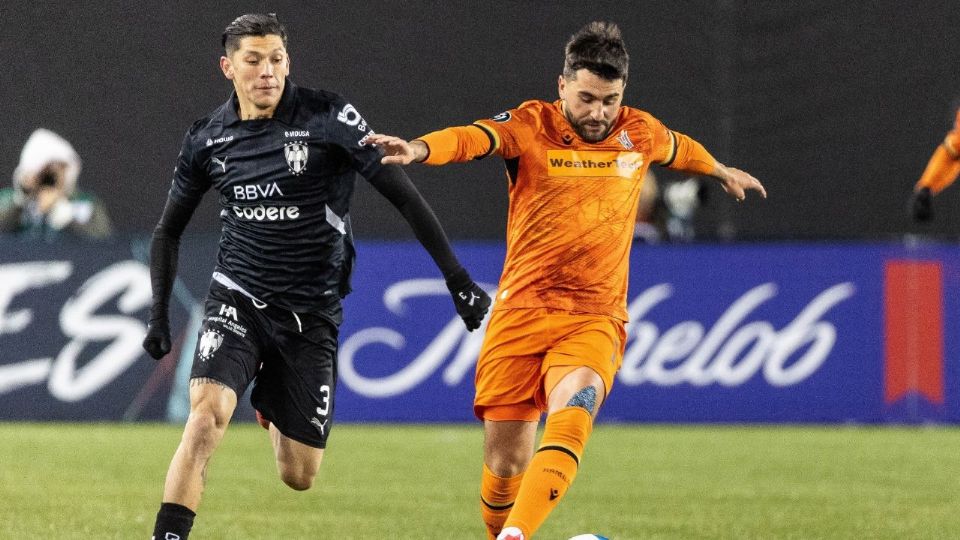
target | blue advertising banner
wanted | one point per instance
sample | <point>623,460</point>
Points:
<point>718,333</point>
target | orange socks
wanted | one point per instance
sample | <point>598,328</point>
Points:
<point>496,499</point>
<point>553,468</point>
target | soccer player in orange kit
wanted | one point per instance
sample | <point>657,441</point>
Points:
<point>556,337</point>
<point>941,171</point>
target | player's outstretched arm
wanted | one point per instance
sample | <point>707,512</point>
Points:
<point>164,250</point>
<point>737,182</point>
<point>680,152</point>
<point>452,144</point>
<point>398,151</point>
<point>470,300</point>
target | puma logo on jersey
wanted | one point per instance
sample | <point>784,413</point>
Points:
<point>221,162</point>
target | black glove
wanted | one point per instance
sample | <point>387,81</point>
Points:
<point>471,301</point>
<point>921,205</point>
<point>157,342</point>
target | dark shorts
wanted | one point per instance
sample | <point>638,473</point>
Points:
<point>290,358</point>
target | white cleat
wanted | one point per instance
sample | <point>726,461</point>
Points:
<point>511,533</point>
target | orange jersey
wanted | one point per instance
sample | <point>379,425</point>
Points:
<point>944,164</point>
<point>572,203</point>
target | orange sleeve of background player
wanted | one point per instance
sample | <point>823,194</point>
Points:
<point>461,143</point>
<point>675,150</point>
<point>944,164</point>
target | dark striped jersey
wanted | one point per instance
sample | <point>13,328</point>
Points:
<point>284,185</point>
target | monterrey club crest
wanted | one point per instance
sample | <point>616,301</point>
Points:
<point>296,153</point>
<point>209,343</point>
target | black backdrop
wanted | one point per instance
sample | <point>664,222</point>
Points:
<point>835,106</point>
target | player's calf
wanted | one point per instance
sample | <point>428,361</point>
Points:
<point>554,466</point>
<point>497,495</point>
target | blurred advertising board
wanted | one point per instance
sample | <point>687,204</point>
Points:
<point>797,333</point>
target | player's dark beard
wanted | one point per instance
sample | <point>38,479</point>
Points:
<point>579,128</point>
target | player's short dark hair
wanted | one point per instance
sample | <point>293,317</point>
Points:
<point>252,24</point>
<point>597,47</point>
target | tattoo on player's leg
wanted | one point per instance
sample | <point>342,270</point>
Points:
<point>197,381</point>
<point>585,398</point>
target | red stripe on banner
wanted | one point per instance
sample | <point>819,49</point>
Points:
<point>913,327</point>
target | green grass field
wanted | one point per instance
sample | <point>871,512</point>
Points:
<point>385,482</point>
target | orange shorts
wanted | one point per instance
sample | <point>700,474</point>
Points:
<point>522,344</point>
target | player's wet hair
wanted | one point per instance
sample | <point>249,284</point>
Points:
<point>597,47</point>
<point>252,24</point>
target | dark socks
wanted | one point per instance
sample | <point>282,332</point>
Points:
<point>173,522</point>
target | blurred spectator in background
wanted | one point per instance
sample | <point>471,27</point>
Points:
<point>648,228</point>
<point>44,202</point>
<point>666,211</point>
<point>682,199</point>
<point>941,171</point>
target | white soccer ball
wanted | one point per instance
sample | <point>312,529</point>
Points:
<point>588,537</point>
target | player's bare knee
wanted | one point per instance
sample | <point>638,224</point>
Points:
<point>508,446</point>
<point>509,461</point>
<point>203,432</point>
<point>298,478</point>
<point>211,418</point>
<point>507,469</point>
<point>210,412</point>
<point>298,483</point>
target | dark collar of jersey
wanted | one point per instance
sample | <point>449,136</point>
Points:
<point>283,112</point>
